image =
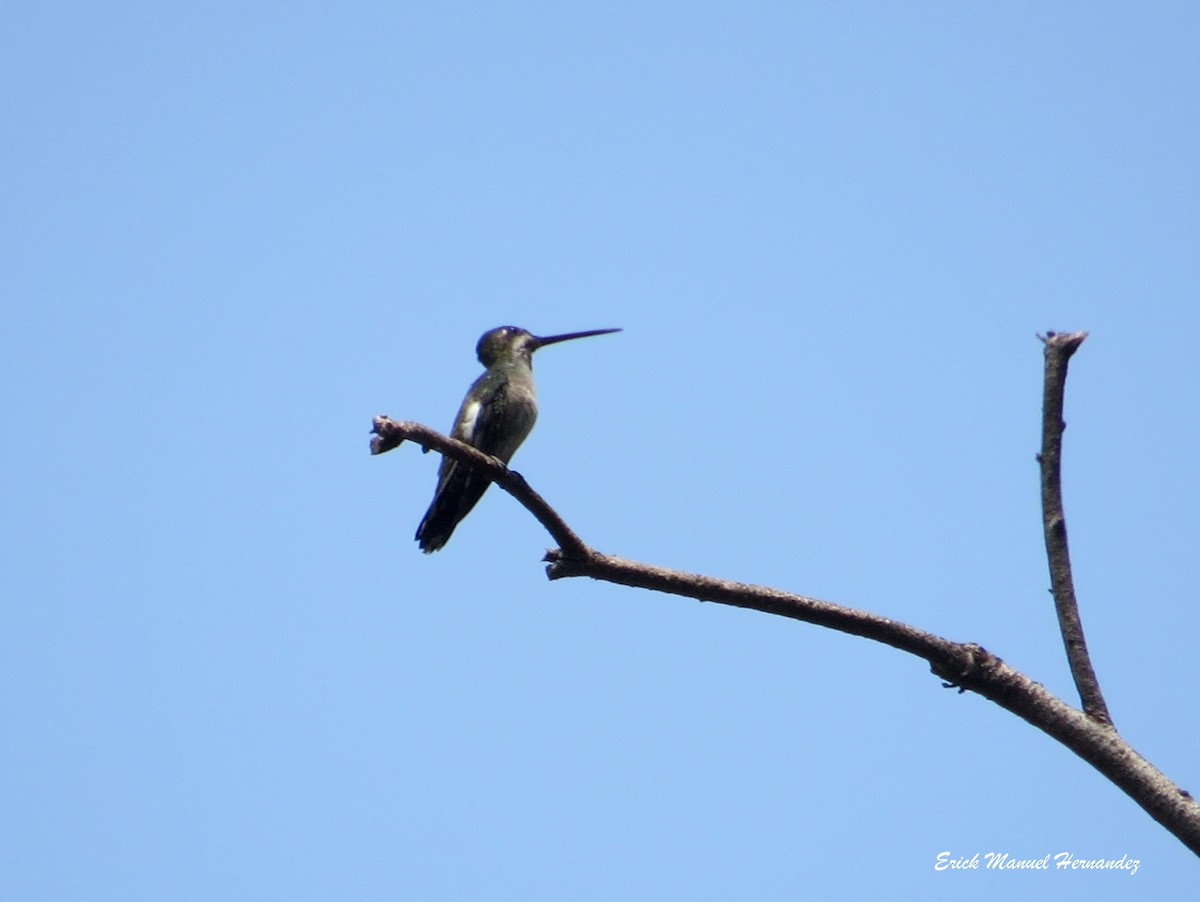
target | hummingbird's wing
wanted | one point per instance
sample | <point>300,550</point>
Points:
<point>493,419</point>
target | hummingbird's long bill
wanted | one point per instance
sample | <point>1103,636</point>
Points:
<point>555,339</point>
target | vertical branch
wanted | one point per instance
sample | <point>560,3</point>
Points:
<point>1059,348</point>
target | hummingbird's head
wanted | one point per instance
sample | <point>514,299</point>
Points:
<point>505,341</point>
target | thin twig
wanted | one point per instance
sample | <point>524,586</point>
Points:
<point>1059,348</point>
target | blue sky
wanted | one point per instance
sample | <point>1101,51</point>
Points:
<point>236,232</point>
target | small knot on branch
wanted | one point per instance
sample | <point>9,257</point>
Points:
<point>562,565</point>
<point>959,670</point>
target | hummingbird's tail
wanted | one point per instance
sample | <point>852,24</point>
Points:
<point>456,495</point>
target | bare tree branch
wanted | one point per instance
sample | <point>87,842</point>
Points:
<point>1059,348</point>
<point>966,666</point>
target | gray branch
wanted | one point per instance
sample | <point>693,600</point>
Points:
<point>1059,348</point>
<point>965,666</point>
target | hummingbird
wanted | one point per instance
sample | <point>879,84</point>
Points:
<point>496,416</point>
